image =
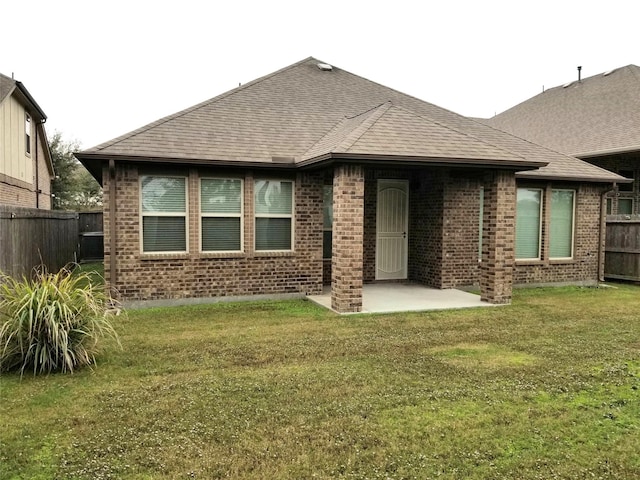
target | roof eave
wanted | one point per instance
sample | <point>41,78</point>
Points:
<point>23,90</point>
<point>611,151</point>
<point>93,162</point>
<point>406,160</point>
<point>529,176</point>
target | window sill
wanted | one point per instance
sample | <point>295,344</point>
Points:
<point>561,261</point>
<point>165,256</point>
<point>529,262</point>
<point>222,255</point>
<point>551,261</point>
<point>275,253</point>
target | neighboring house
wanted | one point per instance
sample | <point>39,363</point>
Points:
<point>596,119</point>
<point>313,175</point>
<point>26,169</point>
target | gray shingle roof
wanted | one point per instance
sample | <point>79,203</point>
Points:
<point>388,130</point>
<point>6,86</point>
<point>302,112</point>
<point>599,114</point>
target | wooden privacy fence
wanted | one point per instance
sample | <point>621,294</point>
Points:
<point>622,250</point>
<point>30,237</point>
<point>90,221</point>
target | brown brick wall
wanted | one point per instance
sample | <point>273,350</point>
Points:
<point>498,237</point>
<point>426,203</point>
<point>443,249</point>
<point>348,238</point>
<point>194,274</point>
<point>460,235</point>
<point>584,265</point>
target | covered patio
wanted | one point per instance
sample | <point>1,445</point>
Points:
<point>406,297</point>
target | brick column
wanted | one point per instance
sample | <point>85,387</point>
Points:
<point>348,229</point>
<point>498,237</point>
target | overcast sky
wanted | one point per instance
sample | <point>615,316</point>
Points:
<point>101,69</point>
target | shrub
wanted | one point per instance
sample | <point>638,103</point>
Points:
<point>52,323</point>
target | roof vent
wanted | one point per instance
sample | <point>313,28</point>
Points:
<point>606,74</point>
<point>567,84</point>
<point>325,67</point>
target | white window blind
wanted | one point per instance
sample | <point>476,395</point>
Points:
<point>561,231</point>
<point>221,210</point>
<point>528,210</point>
<point>274,214</point>
<point>164,211</point>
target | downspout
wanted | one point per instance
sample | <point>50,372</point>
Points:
<point>112,225</point>
<point>37,175</point>
<point>603,232</point>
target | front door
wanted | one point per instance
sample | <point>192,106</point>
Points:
<point>391,229</point>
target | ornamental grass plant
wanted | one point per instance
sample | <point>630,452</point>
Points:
<point>54,322</point>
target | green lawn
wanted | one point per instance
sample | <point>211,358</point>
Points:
<point>545,388</point>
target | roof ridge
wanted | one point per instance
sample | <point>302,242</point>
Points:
<point>634,71</point>
<point>375,114</point>
<point>336,127</point>
<point>195,107</point>
<point>325,135</point>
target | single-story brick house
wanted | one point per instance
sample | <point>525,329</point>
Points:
<point>312,175</point>
<point>596,119</point>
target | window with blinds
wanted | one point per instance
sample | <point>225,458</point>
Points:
<point>164,213</point>
<point>273,215</point>
<point>528,215</point>
<point>221,214</point>
<point>561,228</point>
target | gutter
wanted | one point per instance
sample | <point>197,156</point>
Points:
<point>533,176</point>
<point>321,161</point>
<point>610,151</point>
<point>405,160</point>
<point>26,93</point>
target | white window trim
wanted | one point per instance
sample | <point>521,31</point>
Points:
<point>257,215</point>
<point>223,215</point>
<point>185,215</point>
<point>542,197</point>
<point>573,224</point>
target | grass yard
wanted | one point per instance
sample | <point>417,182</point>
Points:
<point>545,388</point>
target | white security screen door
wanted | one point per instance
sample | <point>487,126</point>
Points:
<point>391,229</point>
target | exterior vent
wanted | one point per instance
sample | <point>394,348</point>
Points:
<point>325,67</point>
<point>567,84</point>
<point>606,74</point>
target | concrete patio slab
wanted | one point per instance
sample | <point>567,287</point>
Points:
<point>398,297</point>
